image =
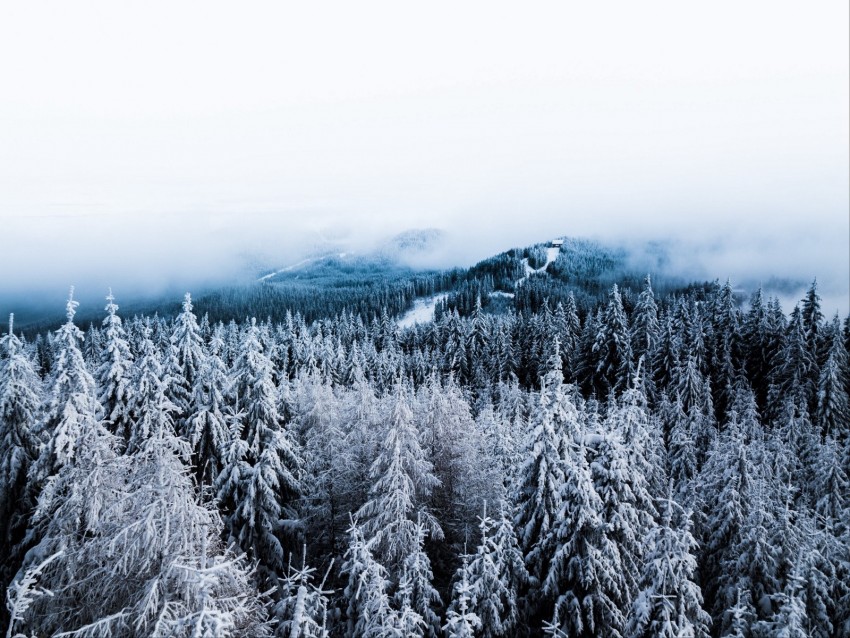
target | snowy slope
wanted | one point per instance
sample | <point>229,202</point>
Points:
<point>422,311</point>
<point>300,264</point>
<point>551,255</point>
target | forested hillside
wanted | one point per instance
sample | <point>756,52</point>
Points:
<point>589,462</point>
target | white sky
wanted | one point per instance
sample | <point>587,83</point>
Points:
<point>245,126</point>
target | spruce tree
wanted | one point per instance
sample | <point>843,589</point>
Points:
<point>401,478</point>
<point>669,604</point>
<point>71,407</point>
<point>261,492</point>
<point>833,412</point>
<point>114,376</point>
<point>20,389</point>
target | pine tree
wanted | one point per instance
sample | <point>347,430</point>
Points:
<point>71,406</point>
<point>813,322</point>
<point>791,620</point>
<point>496,575</point>
<point>137,546</point>
<point>555,423</point>
<point>461,621</point>
<point>114,376</point>
<point>207,427</point>
<point>616,482</point>
<point>261,487</point>
<point>612,349</point>
<point>585,579</point>
<point>408,622</point>
<point>368,613</point>
<point>669,604</point>
<point>419,593</point>
<point>20,389</point>
<point>302,611</point>
<point>833,412</point>
<point>645,330</point>
<point>726,480</point>
<point>796,372</point>
<point>401,478</point>
<point>188,341</point>
<point>147,381</point>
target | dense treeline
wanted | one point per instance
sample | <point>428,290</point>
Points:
<point>649,467</point>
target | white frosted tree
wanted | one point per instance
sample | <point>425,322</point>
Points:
<point>260,494</point>
<point>207,427</point>
<point>138,547</point>
<point>419,593</point>
<point>555,423</point>
<point>148,382</point>
<point>20,388</point>
<point>586,579</point>
<point>461,621</point>
<point>401,478</point>
<point>188,341</point>
<point>791,620</point>
<point>302,611</point>
<point>114,376</point>
<point>71,405</point>
<point>669,602</point>
<point>496,575</point>
<point>368,613</point>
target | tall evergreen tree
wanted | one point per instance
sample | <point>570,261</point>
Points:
<point>401,478</point>
<point>669,604</point>
<point>71,405</point>
<point>114,376</point>
<point>554,426</point>
<point>612,349</point>
<point>261,496</point>
<point>369,613</point>
<point>168,576</point>
<point>20,389</point>
<point>833,412</point>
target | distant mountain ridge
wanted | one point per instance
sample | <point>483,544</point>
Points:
<point>390,276</point>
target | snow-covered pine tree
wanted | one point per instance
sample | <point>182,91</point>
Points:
<point>461,621</point>
<point>368,613</point>
<point>645,331</point>
<point>833,411</point>
<point>726,487</point>
<point>791,620</point>
<point>207,426</point>
<point>326,460</point>
<point>612,349</point>
<point>147,381</point>
<point>20,388</point>
<point>409,623</point>
<point>302,610</point>
<point>554,423</point>
<point>188,341</point>
<point>669,602</point>
<point>114,376</point>
<point>496,575</point>
<point>137,546</point>
<point>621,491</point>
<point>401,479</point>
<point>263,500</point>
<point>71,406</point>
<point>586,580</point>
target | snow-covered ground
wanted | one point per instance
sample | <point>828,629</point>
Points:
<point>422,311</point>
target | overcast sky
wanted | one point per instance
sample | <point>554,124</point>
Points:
<point>148,142</point>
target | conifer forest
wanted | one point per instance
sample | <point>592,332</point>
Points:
<point>574,455</point>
